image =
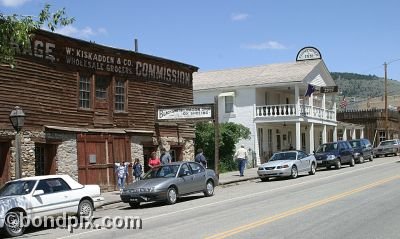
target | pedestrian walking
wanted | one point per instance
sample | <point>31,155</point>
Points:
<point>137,170</point>
<point>200,158</point>
<point>154,161</point>
<point>165,156</point>
<point>241,157</point>
<point>121,172</point>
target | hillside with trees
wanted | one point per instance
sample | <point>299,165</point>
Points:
<point>364,86</point>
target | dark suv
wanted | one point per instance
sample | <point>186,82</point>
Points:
<point>335,154</point>
<point>362,150</point>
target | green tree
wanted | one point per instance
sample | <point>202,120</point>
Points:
<point>18,30</point>
<point>231,134</point>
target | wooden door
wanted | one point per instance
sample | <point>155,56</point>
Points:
<point>102,101</point>
<point>97,155</point>
<point>121,153</point>
<point>4,162</point>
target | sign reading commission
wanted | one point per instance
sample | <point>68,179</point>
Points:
<point>186,112</point>
<point>308,53</point>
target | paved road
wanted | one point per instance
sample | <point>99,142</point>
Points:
<point>358,202</point>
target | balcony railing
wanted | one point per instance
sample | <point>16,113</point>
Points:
<point>270,111</point>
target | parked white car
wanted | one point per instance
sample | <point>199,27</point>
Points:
<point>43,196</point>
<point>287,164</point>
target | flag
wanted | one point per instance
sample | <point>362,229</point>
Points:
<point>343,103</point>
<point>310,90</point>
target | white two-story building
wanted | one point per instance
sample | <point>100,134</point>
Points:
<point>270,100</point>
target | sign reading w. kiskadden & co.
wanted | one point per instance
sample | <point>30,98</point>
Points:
<point>185,112</point>
<point>76,53</point>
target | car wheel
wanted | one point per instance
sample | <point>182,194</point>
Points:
<point>134,204</point>
<point>312,170</point>
<point>264,179</point>
<point>85,209</point>
<point>371,158</point>
<point>172,195</point>
<point>361,160</point>
<point>338,164</point>
<point>352,162</point>
<point>209,189</point>
<point>13,224</point>
<point>294,172</point>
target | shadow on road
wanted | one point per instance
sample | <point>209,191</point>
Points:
<point>163,204</point>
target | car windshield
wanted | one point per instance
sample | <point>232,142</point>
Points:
<point>166,171</point>
<point>386,143</point>
<point>283,156</point>
<point>355,144</point>
<point>17,188</point>
<point>327,148</point>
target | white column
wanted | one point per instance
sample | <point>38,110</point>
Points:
<point>334,111</point>
<point>323,112</point>
<point>298,136</point>
<point>344,134</point>
<point>324,134</point>
<point>353,133</point>
<point>362,133</point>
<point>311,137</point>
<point>311,104</point>
<point>334,133</point>
<point>297,99</point>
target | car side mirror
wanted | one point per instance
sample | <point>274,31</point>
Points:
<point>38,193</point>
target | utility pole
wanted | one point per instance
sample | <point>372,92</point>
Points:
<point>216,136</point>
<point>386,103</point>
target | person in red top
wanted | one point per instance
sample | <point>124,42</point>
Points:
<point>154,161</point>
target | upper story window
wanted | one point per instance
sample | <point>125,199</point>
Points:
<point>102,84</point>
<point>84,92</point>
<point>228,104</point>
<point>120,95</point>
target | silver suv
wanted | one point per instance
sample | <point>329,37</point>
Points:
<point>387,147</point>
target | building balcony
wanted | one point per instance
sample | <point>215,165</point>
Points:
<point>290,110</point>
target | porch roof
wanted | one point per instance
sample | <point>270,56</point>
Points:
<point>283,73</point>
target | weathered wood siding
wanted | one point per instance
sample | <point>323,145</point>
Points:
<point>48,91</point>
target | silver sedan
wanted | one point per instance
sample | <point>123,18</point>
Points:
<point>169,182</point>
<point>287,164</point>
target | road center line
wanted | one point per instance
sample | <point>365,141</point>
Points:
<point>299,209</point>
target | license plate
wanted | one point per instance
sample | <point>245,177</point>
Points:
<point>319,161</point>
<point>133,199</point>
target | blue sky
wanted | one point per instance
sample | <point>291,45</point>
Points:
<point>352,35</point>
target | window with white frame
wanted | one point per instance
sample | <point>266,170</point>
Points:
<point>84,91</point>
<point>228,104</point>
<point>120,95</point>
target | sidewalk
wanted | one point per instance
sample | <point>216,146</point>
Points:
<point>224,178</point>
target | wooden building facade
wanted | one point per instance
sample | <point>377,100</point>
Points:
<point>88,106</point>
<point>376,128</point>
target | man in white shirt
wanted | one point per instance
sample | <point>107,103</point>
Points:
<point>241,157</point>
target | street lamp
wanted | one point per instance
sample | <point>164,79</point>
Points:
<point>17,118</point>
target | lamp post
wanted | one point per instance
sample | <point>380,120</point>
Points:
<point>17,118</point>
